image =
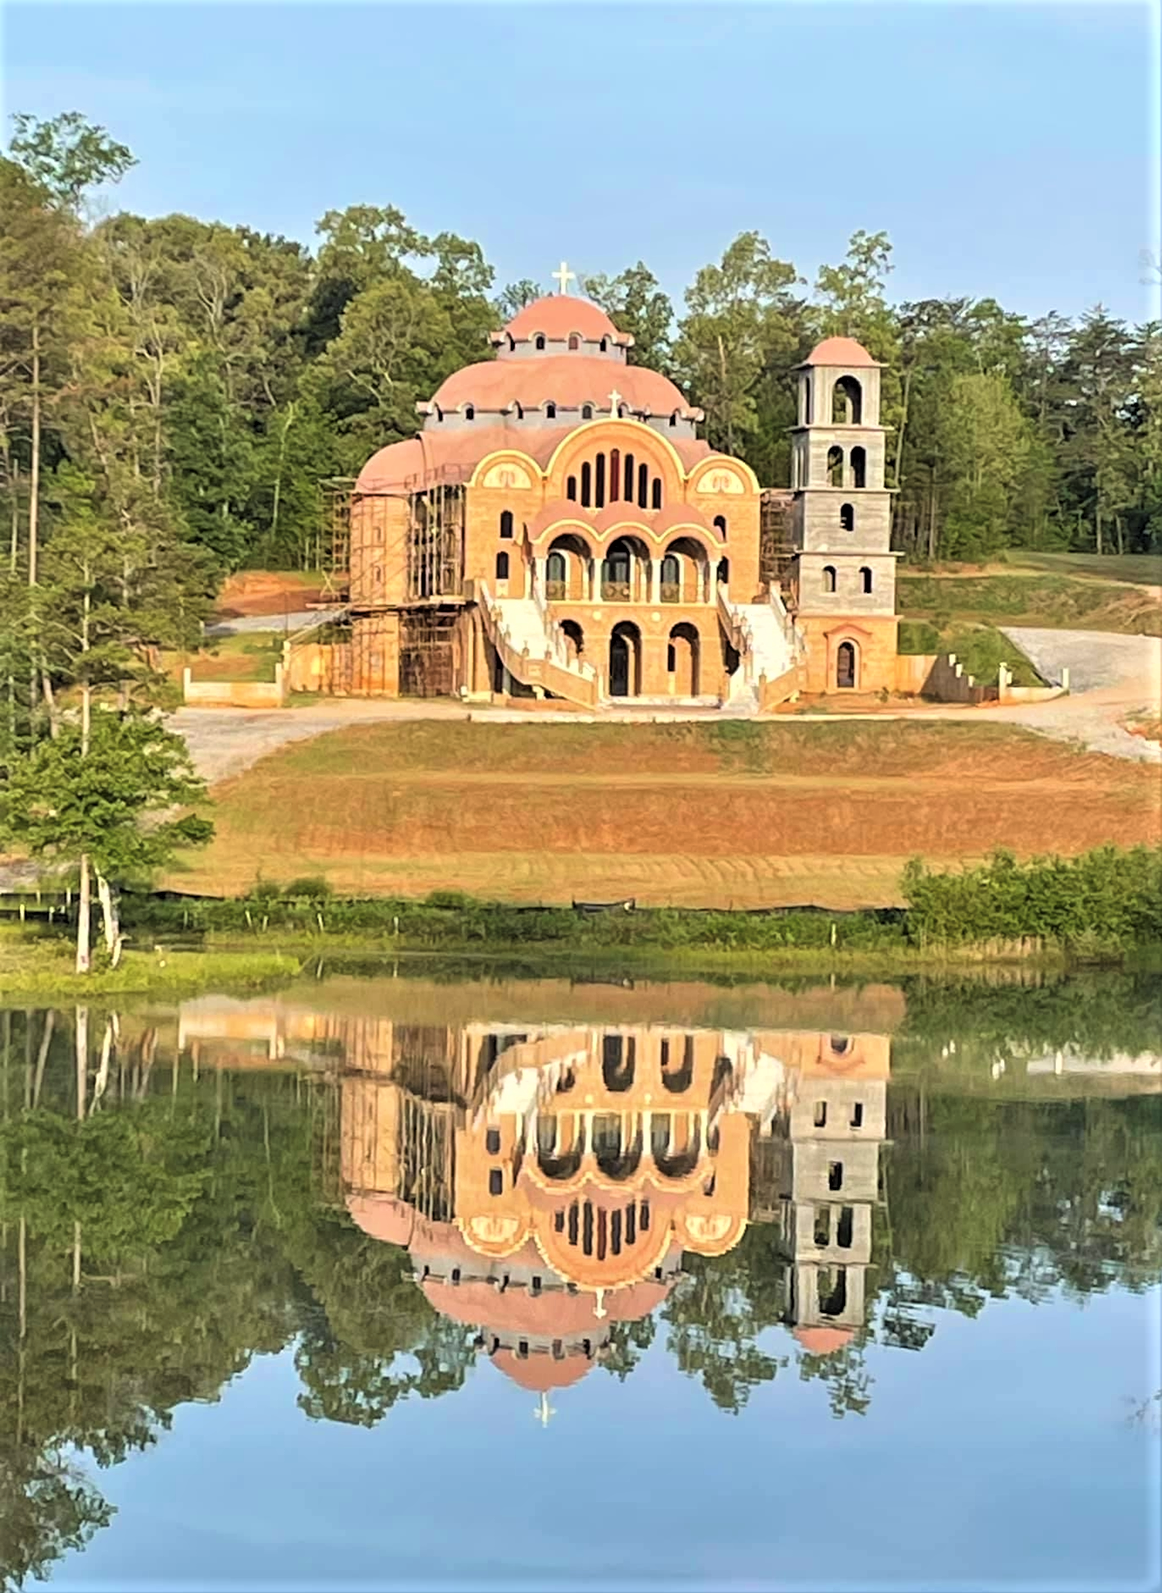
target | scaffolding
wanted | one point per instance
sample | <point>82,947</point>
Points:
<point>333,545</point>
<point>429,652</point>
<point>435,542</point>
<point>776,550</point>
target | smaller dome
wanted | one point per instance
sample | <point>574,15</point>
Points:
<point>823,1340</point>
<point>559,314</point>
<point>843,351</point>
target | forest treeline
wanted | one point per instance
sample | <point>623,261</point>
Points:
<point>196,382</point>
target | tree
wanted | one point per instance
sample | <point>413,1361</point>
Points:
<point>636,304</point>
<point>984,444</point>
<point>67,155</point>
<point>102,794</point>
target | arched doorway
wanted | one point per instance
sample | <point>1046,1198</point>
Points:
<point>625,660</point>
<point>574,638</point>
<point>682,661</point>
<point>846,666</point>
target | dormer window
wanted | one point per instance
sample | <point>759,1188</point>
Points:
<point>550,410</point>
<point>539,342</point>
<point>511,344</point>
<point>438,412</point>
<point>605,345</point>
<point>518,412</point>
<point>674,418</point>
<point>469,411</point>
<point>574,342</point>
<point>586,411</point>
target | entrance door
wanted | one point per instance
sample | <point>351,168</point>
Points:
<point>618,665</point>
<point>845,665</point>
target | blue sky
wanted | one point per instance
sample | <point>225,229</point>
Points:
<point>1008,150</point>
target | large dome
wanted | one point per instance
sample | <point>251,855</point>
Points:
<point>567,380</point>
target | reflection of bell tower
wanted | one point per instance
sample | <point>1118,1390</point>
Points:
<point>835,1128</point>
<point>843,575</point>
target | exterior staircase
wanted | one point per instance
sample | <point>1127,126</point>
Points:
<point>533,649</point>
<point>769,647</point>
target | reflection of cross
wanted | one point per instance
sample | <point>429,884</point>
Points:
<point>544,1411</point>
<point>564,276</point>
<point>599,1310</point>
<point>614,401</point>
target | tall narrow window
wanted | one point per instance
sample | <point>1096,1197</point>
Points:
<point>628,494</point>
<point>656,498</point>
<point>586,484</point>
<point>865,579</point>
<point>835,1175</point>
<point>720,525</point>
<point>858,467</point>
<point>857,1115</point>
<point>571,489</point>
<point>643,486</point>
<point>599,489</point>
<point>518,411</point>
<point>846,517</point>
<point>604,345</point>
<point>614,474</point>
<point>835,466</point>
<point>502,566</point>
<point>674,418</point>
<point>506,523</point>
<point>829,577</point>
<point>495,1181</point>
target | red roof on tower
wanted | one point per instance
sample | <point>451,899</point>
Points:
<point>839,351</point>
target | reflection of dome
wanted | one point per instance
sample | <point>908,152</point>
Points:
<point>843,351</point>
<point>550,1314</point>
<point>559,314</point>
<point>383,1217</point>
<point>823,1340</point>
<point>541,1373</point>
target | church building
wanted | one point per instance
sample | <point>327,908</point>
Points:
<point>557,529</point>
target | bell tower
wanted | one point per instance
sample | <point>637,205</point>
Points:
<point>843,573</point>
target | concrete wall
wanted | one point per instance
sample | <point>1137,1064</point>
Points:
<point>234,693</point>
<point>848,597</point>
<point>816,519</point>
<point>874,637</point>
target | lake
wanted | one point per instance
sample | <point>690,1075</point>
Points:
<point>438,1279</point>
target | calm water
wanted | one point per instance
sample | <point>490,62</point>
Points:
<point>406,1283</point>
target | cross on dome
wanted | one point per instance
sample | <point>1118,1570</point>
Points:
<point>564,276</point>
<point>614,401</point>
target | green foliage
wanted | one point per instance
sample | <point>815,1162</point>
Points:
<point>67,155</point>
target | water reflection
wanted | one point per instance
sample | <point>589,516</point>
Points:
<point>400,1198</point>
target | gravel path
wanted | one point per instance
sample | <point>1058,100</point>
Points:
<point>244,624</point>
<point>1110,678</point>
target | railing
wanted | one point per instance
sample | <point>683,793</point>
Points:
<point>554,670</point>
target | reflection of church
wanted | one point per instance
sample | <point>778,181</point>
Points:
<point>547,1179</point>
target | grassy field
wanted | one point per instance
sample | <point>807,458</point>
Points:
<point>35,966</point>
<point>1138,569</point>
<point>1036,596</point>
<point>737,814</point>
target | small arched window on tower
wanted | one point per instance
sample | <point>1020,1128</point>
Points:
<point>865,579</point>
<point>469,411</point>
<point>550,410</point>
<point>574,341</point>
<point>858,467</point>
<point>586,411</point>
<point>720,525</point>
<point>846,517</point>
<point>829,577</point>
<point>540,341</point>
<point>506,523</point>
<point>846,402</point>
<point>502,566</point>
<point>835,466</point>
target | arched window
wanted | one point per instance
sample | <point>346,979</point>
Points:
<point>845,666</point>
<point>835,466</point>
<point>604,345</point>
<point>518,412</point>
<point>846,517</point>
<point>511,343</point>
<point>720,525</point>
<point>723,572</point>
<point>502,566</point>
<point>586,484</point>
<point>643,486</point>
<point>858,467</point>
<point>540,342</point>
<point>555,574</point>
<point>574,341</point>
<point>506,522</point>
<point>439,413</point>
<point>571,489</point>
<point>846,402</point>
<point>865,579</point>
<point>599,489</point>
<point>586,411</point>
<point>674,418</point>
<point>671,579</point>
<point>656,498</point>
<point>550,410</point>
<point>614,474</point>
<point>829,577</point>
<point>469,412</point>
<point>628,493</point>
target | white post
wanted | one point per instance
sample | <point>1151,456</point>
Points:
<point>656,580</point>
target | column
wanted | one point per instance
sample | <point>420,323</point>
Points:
<point>539,574</point>
<point>656,580</point>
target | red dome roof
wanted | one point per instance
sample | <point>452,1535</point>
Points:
<point>558,315</point>
<point>541,1373</point>
<point>843,351</point>
<point>570,380</point>
<point>823,1340</point>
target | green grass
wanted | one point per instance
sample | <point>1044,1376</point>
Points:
<point>980,648</point>
<point>1138,569</point>
<point>1052,600</point>
<point>38,965</point>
